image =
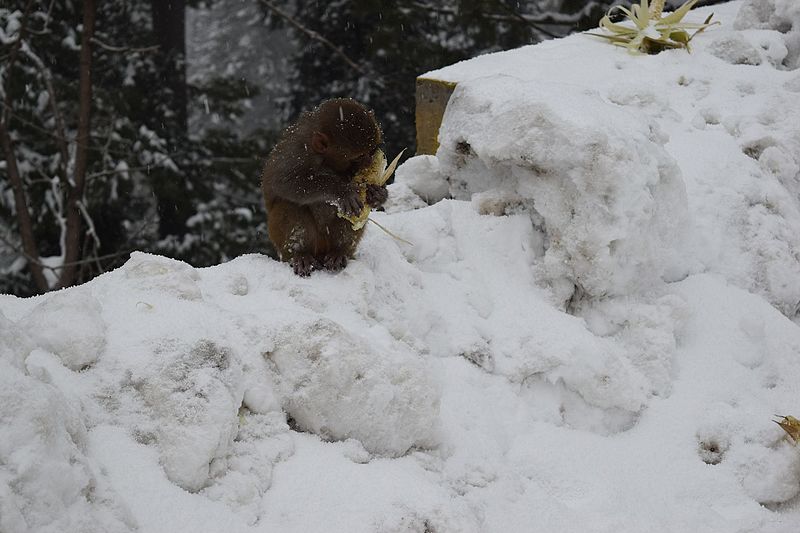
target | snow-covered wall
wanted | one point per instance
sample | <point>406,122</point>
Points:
<point>639,168</point>
<point>600,185</point>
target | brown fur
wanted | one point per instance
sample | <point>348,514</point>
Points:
<point>308,177</point>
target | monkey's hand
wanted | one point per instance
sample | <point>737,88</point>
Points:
<point>376,195</point>
<point>350,204</point>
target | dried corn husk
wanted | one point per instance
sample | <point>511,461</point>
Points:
<point>651,32</point>
<point>791,426</point>
<point>377,173</point>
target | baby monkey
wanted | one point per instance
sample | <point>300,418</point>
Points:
<point>308,180</point>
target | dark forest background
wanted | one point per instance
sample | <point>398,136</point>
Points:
<point>143,124</point>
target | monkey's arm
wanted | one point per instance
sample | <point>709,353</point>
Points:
<point>304,186</point>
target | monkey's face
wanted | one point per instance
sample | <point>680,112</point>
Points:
<point>348,162</point>
<point>345,134</point>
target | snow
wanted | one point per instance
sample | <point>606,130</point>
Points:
<point>709,113</point>
<point>591,329</point>
<point>70,325</point>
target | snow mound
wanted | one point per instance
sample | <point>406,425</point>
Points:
<point>596,179</point>
<point>759,355</point>
<point>421,174</point>
<point>780,15</point>
<point>593,334</point>
<point>402,198</point>
<point>339,388</point>
<point>173,277</point>
<point>597,169</point>
<point>47,482</point>
<point>176,375</point>
<point>70,325</point>
<point>192,397</point>
<point>14,344</point>
<point>507,329</point>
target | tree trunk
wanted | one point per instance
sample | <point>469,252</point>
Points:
<point>72,250</point>
<point>23,216</point>
<point>169,28</point>
<point>29,246</point>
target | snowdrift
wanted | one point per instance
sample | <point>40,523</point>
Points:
<point>593,326</point>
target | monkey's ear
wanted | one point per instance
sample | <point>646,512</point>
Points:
<point>319,142</point>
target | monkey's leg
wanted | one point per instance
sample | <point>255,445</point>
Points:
<point>293,231</point>
<point>342,244</point>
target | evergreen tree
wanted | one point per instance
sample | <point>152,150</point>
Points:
<point>147,183</point>
<point>148,186</point>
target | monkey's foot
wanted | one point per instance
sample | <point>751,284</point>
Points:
<point>303,265</point>
<point>334,262</point>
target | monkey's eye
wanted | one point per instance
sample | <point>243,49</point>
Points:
<point>363,161</point>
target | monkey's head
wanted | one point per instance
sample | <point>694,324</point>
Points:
<point>346,135</point>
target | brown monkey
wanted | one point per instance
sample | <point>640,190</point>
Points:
<point>308,179</point>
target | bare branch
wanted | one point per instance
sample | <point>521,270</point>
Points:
<point>547,19</point>
<point>524,20</point>
<point>19,118</point>
<point>46,26</point>
<point>49,16</point>
<point>233,160</point>
<point>49,133</point>
<point>111,48</point>
<point>115,171</point>
<point>313,34</point>
<point>56,269</point>
<point>92,231</point>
